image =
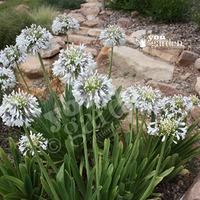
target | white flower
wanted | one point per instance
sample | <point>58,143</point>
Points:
<point>33,39</point>
<point>167,126</point>
<point>130,97</point>
<point>72,62</point>
<point>38,141</point>
<point>63,23</point>
<point>11,55</point>
<point>144,98</point>
<point>113,36</point>
<point>7,78</point>
<point>93,89</point>
<point>19,108</point>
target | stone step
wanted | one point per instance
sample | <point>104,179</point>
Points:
<point>32,67</point>
<point>93,32</point>
<point>144,66</point>
<point>81,39</point>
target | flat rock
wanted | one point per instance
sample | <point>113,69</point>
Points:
<point>89,9</point>
<point>165,88</point>
<point>197,86</point>
<point>91,23</point>
<point>32,67</point>
<point>135,37</point>
<point>169,55</point>
<point>197,63</point>
<point>144,66</point>
<point>194,192</point>
<point>124,22</point>
<point>80,39</point>
<point>54,48</point>
<point>83,31</point>
<point>78,16</point>
<point>195,113</point>
<point>187,58</point>
<point>95,32</point>
<point>103,55</point>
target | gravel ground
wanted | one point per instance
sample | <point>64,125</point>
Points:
<point>188,33</point>
<point>176,188</point>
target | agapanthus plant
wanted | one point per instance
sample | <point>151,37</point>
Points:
<point>62,24</point>
<point>112,36</point>
<point>71,62</point>
<point>7,79</point>
<point>33,39</point>
<point>11,56</point>
<point>38,141</point>
<point>19,109</point>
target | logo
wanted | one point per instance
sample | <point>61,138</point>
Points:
<point>158,41</point>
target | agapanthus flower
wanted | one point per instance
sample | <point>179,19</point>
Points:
<point>130,97</point>
<point>168,126</point>
<point>64,23</point>
<point>178,104</point>
<point>33,39</point>
<point>112,36</point>
<point>143,98</point>
<point>71,62</point>
<point>93,89</point>
<point>12,55</point>
<point>19,108</point>
<point>7,78</point>
<point>38,140</point>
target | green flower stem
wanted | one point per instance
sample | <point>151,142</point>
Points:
<point>46,78</point>
<point>95,150</point>
<point>43,170</point>
<point>111,62</point>
<point>151,185</point>
<point>18,69</point>
<point>132,121</point>
<point>137,121</point>
<point>48,85</point>
<point>84,142</point>
<point>67,41</point>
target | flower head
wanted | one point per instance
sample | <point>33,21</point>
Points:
<point>112,36</point>
<point>143,98</point>
<point>130,97</point>
<point>33,39</point>
<point>7,78</point>
<point>64,23</point>
<point>11,55</point>
<point>38,141</point>
<point>167,126</point>
<point>19,108</point>
<point>93,89</point>
<point>72,62</point>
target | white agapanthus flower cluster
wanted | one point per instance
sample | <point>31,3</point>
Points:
<point>171,114</point>
<point>19,109</point>
<point>64,23</point>
<point>38,141</point>
<point>167,126</point>
<point>11,55</point>
<point>93,89</point>
<point>143,98</point>
<point>33,39</point>
<point>112,36</point>
<point>7,78</point>
<point>71,62</point>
